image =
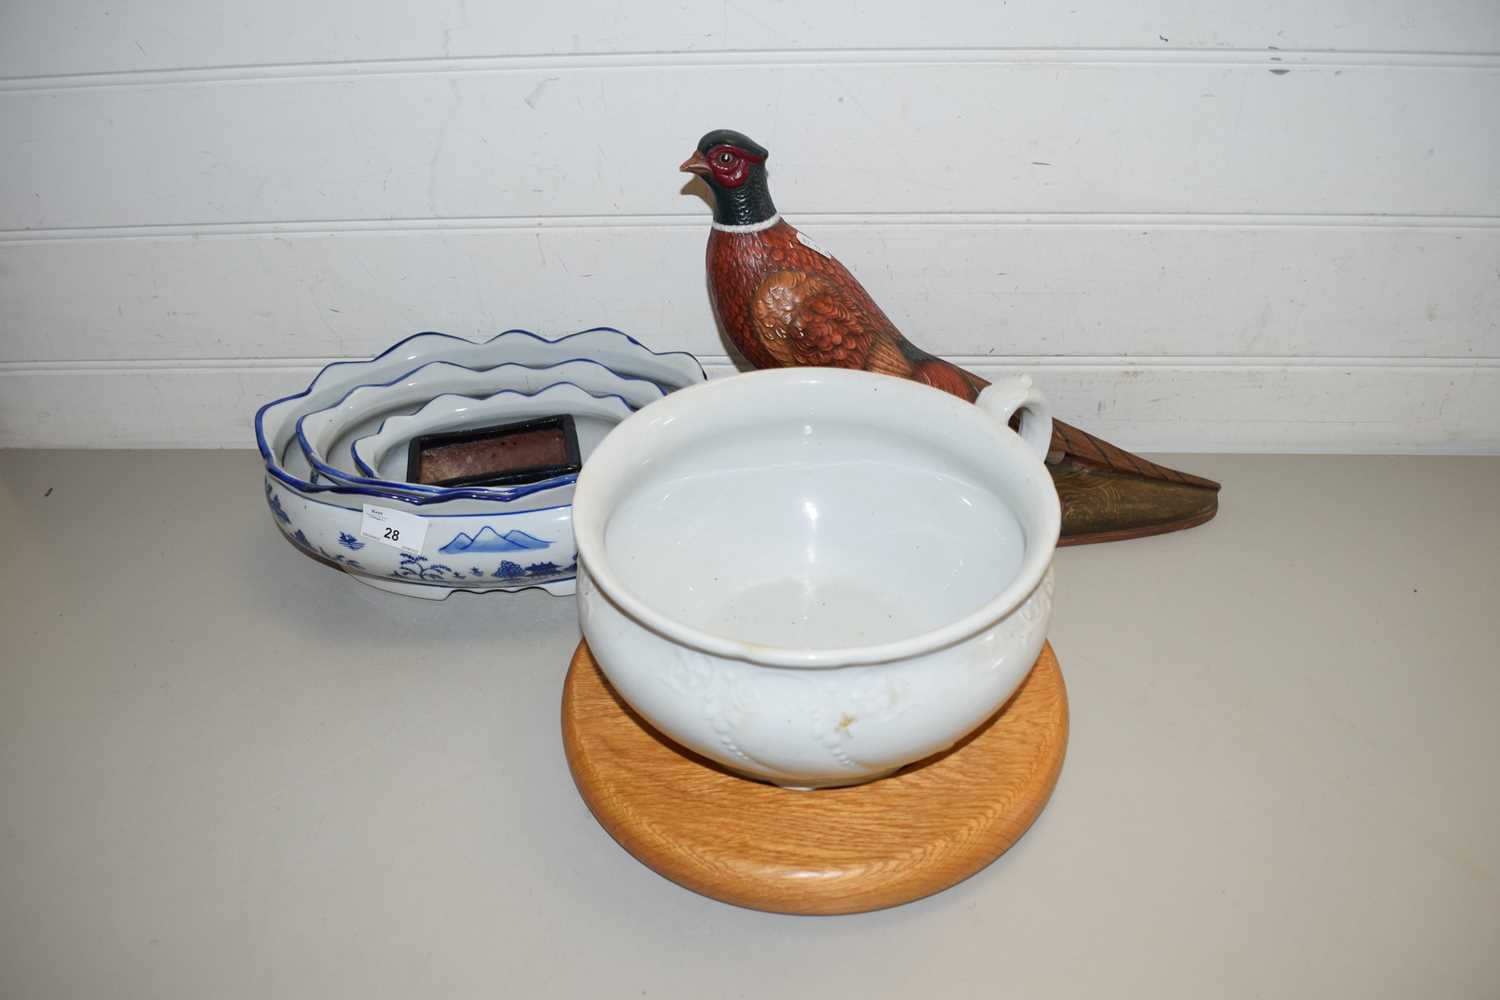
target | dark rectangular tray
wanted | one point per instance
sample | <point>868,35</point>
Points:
<point>480,452</point>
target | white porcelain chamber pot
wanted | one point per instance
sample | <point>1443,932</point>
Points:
<point>816,576</point>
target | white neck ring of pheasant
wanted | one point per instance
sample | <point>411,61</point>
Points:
<point>753,227</point>
<point>734,167</point>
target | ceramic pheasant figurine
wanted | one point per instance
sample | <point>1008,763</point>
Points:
<point>784,300</point>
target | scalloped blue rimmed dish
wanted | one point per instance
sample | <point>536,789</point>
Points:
<point>594,416</point>
<point>326,436</point>
<point>530,548</point>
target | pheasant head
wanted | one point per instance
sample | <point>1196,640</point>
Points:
<point>734,167</point>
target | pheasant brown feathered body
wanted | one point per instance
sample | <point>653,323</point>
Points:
<point>785,301</point>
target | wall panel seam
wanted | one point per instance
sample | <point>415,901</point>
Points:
<point>698,220</point>
<point>729,59</point>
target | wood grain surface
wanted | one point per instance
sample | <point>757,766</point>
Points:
<point>842,850</point>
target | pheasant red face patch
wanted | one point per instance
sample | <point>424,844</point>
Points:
<point>731,165</point>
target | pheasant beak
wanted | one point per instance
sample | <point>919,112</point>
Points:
<point>695,164</point>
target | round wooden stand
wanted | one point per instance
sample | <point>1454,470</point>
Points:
<point>838,850</point>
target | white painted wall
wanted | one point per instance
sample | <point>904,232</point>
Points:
<point>1204,224</point>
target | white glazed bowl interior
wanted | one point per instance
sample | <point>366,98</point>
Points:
<point>797,518</point>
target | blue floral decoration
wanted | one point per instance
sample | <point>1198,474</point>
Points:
<point>421,568</point>
<point>341,559</point>
<point>275,502</point>
<point>348,541</point>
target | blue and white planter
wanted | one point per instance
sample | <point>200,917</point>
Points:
<point>473,552</point>
<point>473,542</point>
<point>327,436</point>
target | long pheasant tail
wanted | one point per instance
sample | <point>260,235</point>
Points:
<point>1110,495</point>
<point>1086,448</point>
<point>1107,493</point>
